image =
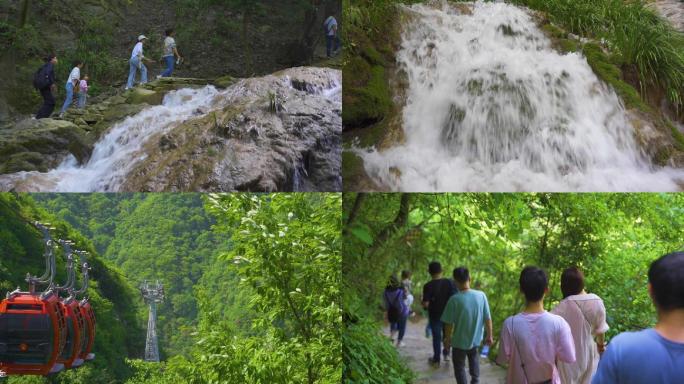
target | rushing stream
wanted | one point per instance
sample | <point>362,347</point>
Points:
<point>491,106</point>
<point>123,146</point>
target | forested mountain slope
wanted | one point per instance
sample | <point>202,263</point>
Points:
<point>152,236</point>
<point>115,301</point>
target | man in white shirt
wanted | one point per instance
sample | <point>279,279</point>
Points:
<point>331,39</point>
<point>136,63</point>
<point>170,52</point>
<point>72,82</point>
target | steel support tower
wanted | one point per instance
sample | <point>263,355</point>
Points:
<point>153,294</point>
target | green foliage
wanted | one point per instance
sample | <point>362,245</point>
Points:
<point>151,236</point>
<point>633,32</point>
<point>612,237</point>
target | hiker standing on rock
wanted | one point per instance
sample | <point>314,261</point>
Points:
<point>136,63</point>
<point>170,53</point>
<point>72,82</point>
<point>44,82</point>
<point>332,41</point>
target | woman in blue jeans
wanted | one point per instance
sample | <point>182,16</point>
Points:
<point>72,81</point>
<point>170,52</point>
<point>136,63</point>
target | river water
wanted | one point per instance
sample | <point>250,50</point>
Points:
<point>490,106</point>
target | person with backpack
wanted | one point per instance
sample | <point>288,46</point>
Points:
<point>534,340</point>
<point>586,315</point>
<point>170,53</point>
<point>136,63</point>
<point>436,294</point>
<point>654,355</point>
<point>72,82</point>
<point>397,312</point>
<point>332,41</point>
<point>467,315</point>
<point>44,82</point>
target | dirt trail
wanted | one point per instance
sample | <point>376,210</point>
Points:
<point>418,349</point>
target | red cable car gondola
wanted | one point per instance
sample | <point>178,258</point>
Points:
<point>33,326</point>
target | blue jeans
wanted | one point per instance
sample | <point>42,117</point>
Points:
<point>170,61</point>
<point>69,96</point>
<point>134,63</point>
<point>332,44</point>
<point>436,328</point>
<point>82,96</point>
<point>473,365</point>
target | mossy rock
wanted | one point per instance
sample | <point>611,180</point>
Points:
<point>602,66</point>
<point>51,139</point>
<point>567,45</point>
<point>144,96</point>
<point>367,104</point>
<point>118,112</point>
<point>224,81</point>
<point>554,31</point>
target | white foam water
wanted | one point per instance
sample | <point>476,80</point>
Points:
<point>492,107</point>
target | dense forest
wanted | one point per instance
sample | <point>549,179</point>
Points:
<point>612,237</point>
<point>251,282</point>
<point>216,37</point>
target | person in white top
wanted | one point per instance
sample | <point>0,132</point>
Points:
<point>586,315</point>
<point>534,340</point>
<point>136,63</point>
<point>72,82</point>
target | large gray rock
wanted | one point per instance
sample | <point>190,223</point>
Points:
<point>38,145</point>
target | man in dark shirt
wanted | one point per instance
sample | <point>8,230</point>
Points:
<point>436,294</point>
<point>48,98</point>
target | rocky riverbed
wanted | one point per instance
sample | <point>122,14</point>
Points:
<point>277,132</point>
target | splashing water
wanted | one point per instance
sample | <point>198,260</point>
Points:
<point>123,146</point>
<point>492,107</point>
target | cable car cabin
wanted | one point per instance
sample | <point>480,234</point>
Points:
<point>89,334</point>
<point>75,324</point>
<point>32,333</point>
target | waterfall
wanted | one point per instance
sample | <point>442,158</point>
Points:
<point>491,106</point>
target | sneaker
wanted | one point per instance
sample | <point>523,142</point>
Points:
<point>434,363</point>
<point>158,76</point>
<point>446,358</point>
<point>400,344</point>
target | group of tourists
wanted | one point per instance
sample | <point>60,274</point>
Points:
<point>45,82</point>
<point>566,345</point>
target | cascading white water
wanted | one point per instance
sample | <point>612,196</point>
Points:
<point>492,107</point>
<point>123,146</point>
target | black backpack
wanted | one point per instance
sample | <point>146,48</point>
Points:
<point>41,79</point>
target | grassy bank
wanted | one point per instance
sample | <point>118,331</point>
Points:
<point>645,47</point>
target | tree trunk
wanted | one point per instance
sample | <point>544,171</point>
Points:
<point>23,16</point>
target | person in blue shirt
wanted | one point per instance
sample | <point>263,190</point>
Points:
<point>466,314</point>
<point>654,355</point>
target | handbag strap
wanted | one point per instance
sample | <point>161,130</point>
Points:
<point>522,363</point>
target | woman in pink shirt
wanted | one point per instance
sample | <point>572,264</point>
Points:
<point>586,315</point>
<point>533,340</point>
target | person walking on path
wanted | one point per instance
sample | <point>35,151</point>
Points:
<point>394,299</point>
<point>72,82</point>
<point>332,40</point>
<point>83,92</point>
<point>170,52</point>
<point>408,287</point>
<point>436,294</point>
<point>136,63</point>
<point>533,340</point>
<point>466,314</point>
<point>654,355</point>
<point>44,82</point>
<point>586,315</point>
